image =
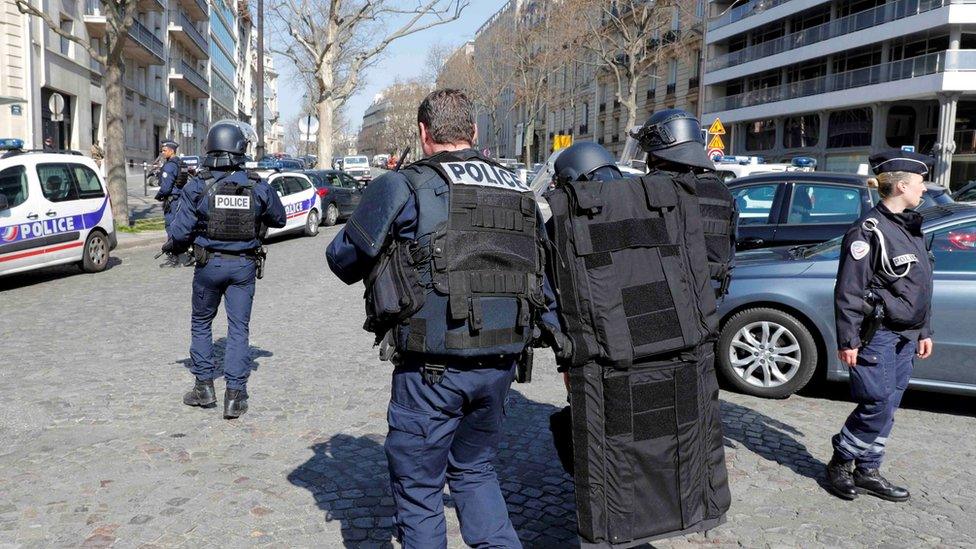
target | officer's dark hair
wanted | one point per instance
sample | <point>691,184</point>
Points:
<point>448,115</point>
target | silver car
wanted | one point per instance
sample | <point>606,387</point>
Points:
<point>778,318</point>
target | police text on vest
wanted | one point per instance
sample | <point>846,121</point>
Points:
<point>475,172</point>
<point>231,202</point>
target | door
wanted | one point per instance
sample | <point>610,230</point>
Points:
<point>66,213</point>
<point>17,247</point>
<point>817,212</point>
<point>293,201</point>
<point>954,356</point>
<point>756,228</point>
<point>354,192</point>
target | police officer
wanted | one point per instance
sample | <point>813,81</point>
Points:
<point>674,145</point>
<point>170,184</point>
<point>455,240</point>
<point>219,214</point>
<point>882,307</point>
<point>585,161</point>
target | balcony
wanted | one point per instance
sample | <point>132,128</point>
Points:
<point>196,9</point>
<point>150,5</point>
<point>650,94</point>
<point>614,138</point>
<point>944,61</point>
<point>739,13</point>
<point>94,19</point>
<point>185,32</point>
<point>693,84</point>
<point>186,79</point>
<point>603,107</point>
<point>670,89</point>
<point>584,129</point>
<point>143,46</point>
<point>880,15</point>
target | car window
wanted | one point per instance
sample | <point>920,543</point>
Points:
<point>348,181</point>
<point>88,184</point>
<point>755,203</point>
<point>292,185</point>
<point>966,196</point>
<point>815,203</point>
<point>276,184</point>
<point>303,183</point>
<point>13,185</point>
<point>57,182</point>
<point>954,248</point>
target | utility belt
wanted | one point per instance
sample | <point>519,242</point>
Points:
<point>202,256</point>
<point>432,367</point>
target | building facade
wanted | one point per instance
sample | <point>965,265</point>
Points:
<point>838,80</point>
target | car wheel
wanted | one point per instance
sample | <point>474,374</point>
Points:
<point>312,223</point>
<point>94,257</point>
<point>331,215</point>
<point>767,353</point>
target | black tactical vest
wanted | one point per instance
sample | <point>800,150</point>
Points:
<point>231,208</point>
<point>477,256</point>
<point>631,269</point>
<point>719,217</point>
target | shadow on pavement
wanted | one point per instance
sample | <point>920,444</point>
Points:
<point>914,399</point>
<point>220,347</point>
<point>46,274</point>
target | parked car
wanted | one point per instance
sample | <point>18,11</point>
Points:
<point>54,209</point>
<point>966,194</point>
<point>782,300</point>
<point>792,208</point>
<point>380,160</point>
<point>339,192</point>
<point>358,167</point>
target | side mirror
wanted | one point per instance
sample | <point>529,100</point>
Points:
<point>4,204</point>
<point>279,194</point>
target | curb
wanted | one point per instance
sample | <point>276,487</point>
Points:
<point>139,240</point>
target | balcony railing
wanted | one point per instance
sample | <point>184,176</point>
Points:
<point>145,37</point>
<point>650,94</point>
<point>943,61</point>
<point>194,77</point>
<point>885,13</point>
<point>670,89</point>
<point>195,34</point>
<point>739,13</point>
<point>693,83</point>
<point>584,129</point>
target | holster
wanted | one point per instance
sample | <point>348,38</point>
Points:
<point>523,368</point>
<point>874,315</point>
<point>393,292</point>
<point>200,255</point>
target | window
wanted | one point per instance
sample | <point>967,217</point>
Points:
<point>755,203</point>
<point>13,185</point>
<point>955,248</point>
<point>801,131</point>
<point>88,184</point>
<point>824,204</point>
<point>277,186</point>
<point>303,183</point>
<point>348,182</point>
<point>900,127</point>
<point>57,182</point>
<point>700,9</point>
<point>292,185</point>
<point>66,26</point>
<point>672,71</point>
<point>850,128</point>
<point>760,135</point>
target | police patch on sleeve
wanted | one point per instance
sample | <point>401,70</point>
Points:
<point>476,172</point>
<point>859,249</point>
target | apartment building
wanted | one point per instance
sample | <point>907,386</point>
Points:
<point>189,87</point>
<point>223,60</point>
<point>247,82</point>
<point>838,80</point>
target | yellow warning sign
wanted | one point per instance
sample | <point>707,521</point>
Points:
<point>717,128</point>
<point>561,141</point>
<point>716,143</point>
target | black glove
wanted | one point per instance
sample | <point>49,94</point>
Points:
<point>173,247</point>
<point>560,344</point>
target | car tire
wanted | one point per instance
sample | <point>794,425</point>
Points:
<point>95,253</point>
<point>766,352</point>
<point>331,216</point>
<point>312,223</point>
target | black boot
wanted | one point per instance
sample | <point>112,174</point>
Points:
<point>840,480</point>
<point>870,481</point>
<point>235,403</point>
<point>202,395</point>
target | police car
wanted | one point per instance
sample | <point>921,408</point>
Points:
<point>303,205</point>
<point>54,209</point>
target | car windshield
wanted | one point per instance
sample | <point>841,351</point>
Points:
<point>356,160</point>
<point>825,250</point>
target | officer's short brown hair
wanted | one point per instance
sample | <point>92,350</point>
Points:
<point>448,115</point>
<point>888,180</point>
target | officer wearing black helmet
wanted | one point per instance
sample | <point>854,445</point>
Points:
<point>219,216</point>
<point>882,307</point>
<point>674,145</point>
<point>585,161</point>
<point>170,182</point>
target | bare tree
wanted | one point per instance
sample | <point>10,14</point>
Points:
<point>337,40</point>
<point>400,129</point>
<point>119,17</point>
<point>626,37</point>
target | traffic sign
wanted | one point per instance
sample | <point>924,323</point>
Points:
<point>56,104</point>
<point>715,154</point>
<point>186,129</point>
<point>716,142</point>
<point>717,128</point>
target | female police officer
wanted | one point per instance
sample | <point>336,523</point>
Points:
<point>882,308</point>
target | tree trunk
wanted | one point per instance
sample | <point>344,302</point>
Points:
<point>631,104</point>
<point>115,142</point>
<point>326,110</point>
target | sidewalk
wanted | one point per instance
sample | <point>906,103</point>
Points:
<point>141,205</point>
<point>138,240</point>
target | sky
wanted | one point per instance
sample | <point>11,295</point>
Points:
<point>404,59</point>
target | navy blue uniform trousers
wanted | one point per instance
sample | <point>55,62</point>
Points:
<point>878,382</point>
<point>448,432</point>
<point>231,278</point>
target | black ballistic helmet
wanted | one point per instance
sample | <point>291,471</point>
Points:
<point>585,161</point>
<point>675,136</point>
<point>226,144</point>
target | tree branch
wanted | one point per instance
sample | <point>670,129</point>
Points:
<point>28,9</point>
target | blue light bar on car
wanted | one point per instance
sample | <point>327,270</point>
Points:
<point>11,144</point>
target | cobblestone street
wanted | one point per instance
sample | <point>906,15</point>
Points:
<point>98,450</point>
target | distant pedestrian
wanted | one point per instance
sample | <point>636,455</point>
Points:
<point>49,144</point>
<point>882,305</point>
